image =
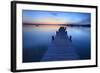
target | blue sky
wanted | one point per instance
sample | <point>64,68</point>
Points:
<point>51,17</point>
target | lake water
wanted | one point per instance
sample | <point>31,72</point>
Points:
<point>37,39</point>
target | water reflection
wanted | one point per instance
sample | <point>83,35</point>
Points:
<point>44,43</point>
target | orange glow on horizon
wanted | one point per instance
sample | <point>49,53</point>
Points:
<point>50,21</point>
<point>47,27</point>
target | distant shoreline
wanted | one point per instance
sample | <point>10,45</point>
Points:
<point>71,25</point>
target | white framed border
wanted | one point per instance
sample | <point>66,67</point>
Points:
<point>40,65</point>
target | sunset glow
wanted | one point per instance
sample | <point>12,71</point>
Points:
<point>50,21</point>
<point>50,17</point>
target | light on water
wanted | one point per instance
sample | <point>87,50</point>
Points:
<point>40,37</point>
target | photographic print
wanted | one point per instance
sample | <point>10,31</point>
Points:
<point>56,36</point>
<point>48,36</point>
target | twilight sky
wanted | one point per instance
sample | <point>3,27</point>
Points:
<point>51,17</point>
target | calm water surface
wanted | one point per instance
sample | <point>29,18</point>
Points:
<point>36,40</point>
